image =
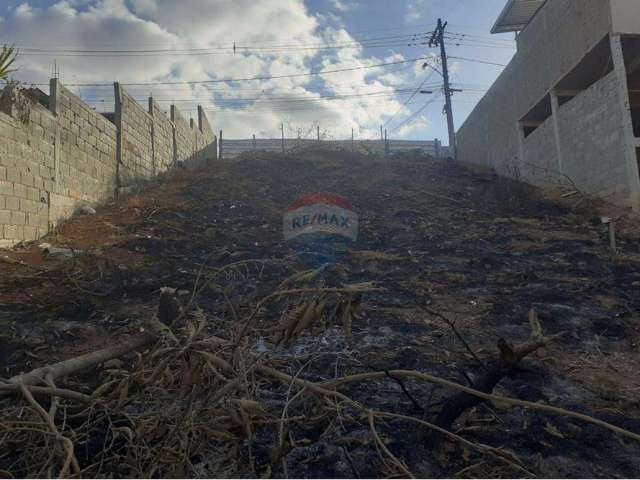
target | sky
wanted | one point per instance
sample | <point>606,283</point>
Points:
<point>253,65</point>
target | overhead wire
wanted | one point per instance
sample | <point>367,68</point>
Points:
<point>262,78</point>
<point>416,113</point>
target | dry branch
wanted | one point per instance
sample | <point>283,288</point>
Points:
<point>77,364</point>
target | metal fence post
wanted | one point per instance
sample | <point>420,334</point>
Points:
<point>386,143</point>
<point>282,127</point>
<point>220,146</point>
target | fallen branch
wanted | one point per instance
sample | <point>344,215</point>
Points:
<point>323,387</point>
<point>70,459</point>
<point>453,327</point>
<point>77,364</point>
<point>476,446</point>
<point>507,361</point>
<point>52,392</point>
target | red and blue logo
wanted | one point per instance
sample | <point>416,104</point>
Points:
<point>320,227</point>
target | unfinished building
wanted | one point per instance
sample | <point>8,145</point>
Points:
<point>566,110</point>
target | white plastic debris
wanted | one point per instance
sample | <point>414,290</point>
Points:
<point>87,210</point>
<point>48,249</point>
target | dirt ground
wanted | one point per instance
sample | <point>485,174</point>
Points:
<point>434,236</point>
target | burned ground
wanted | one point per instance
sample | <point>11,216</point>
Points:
<point>434,237</point>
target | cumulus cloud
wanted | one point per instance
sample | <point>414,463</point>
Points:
<point>344,5</point>
<point>414,11</point>
<point>273,38</point>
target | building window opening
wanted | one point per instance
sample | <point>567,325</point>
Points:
<point>631,51</point>
<point>536,116</point>
<point>595,65</point>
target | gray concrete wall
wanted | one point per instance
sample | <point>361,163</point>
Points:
<point>591,133</point>
<point>136,127</point>
<point>539,164</point>
<point>184,135</point>
<point>625,16</point>
<point>54,160</point>
<point>27,173</point>
<point>163,152</point>
<point>552,45</point>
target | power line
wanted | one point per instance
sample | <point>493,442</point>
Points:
<point>417,90</point>
<point>227,80</point>
<point>485,62</point>
<point>416,113</point>
<point>229,49</point>
<point>274,99</point>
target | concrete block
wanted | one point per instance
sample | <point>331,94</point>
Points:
<point>20,190</point>
<point>30,233</point>
<point>18,218</point>
<point>13,232</point>
<point>27,179</point>
<point>13,174</point>
<point>5,217</point>
<point>29,206</point>
<point>33,194</point>
<point>6,188</point>
<point>12,203</point>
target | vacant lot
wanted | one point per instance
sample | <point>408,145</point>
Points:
<point>451,270</point>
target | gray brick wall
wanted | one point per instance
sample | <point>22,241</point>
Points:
<point>136,127</point>
<point>185,136</point>
<point>590,128</point>
<point>53,161</point>
<point>162,138</point>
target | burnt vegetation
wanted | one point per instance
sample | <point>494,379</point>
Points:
<point>476,329</point>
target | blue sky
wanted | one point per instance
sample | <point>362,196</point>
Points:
<point>192,41</point>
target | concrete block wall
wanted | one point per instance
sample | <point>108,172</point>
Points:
<point>593,115</point>
<point>85,154</point>
<point>539,165</point>
<point>137,160</point>
<point>205,138</point>
<point>164,157</point>
<point>26,171</point>
<point>581,136</point>
<point>56,159</point>
<point>184,136</point>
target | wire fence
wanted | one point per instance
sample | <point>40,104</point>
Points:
<point>232,148</point>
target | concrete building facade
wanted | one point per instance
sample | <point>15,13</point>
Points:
<point>566,110</point>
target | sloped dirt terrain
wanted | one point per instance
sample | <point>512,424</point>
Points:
<point>448,263</point>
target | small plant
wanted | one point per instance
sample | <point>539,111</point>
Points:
<point>7,57</point>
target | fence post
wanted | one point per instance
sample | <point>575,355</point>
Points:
<point>318,133</point>
<point>437,145</point>
<point>220,146</point>
<point>353,145</point>
<point>254,141</point>
<point>386,144</point>
<point>282,128</point>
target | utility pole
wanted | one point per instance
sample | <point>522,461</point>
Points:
<point>437,39</point>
